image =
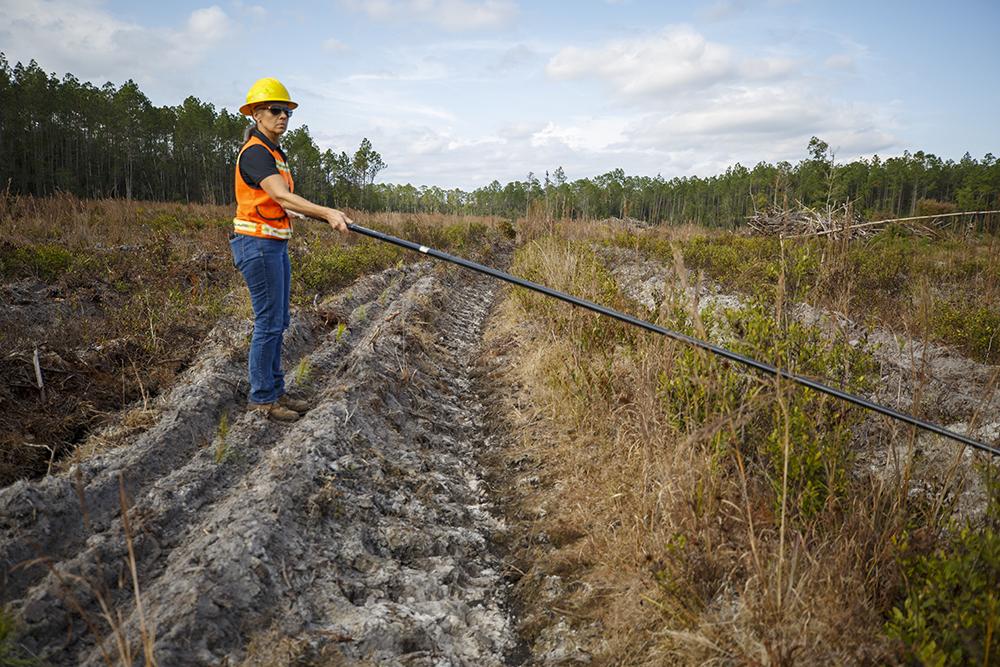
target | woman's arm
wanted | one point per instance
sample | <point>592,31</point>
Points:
<point>276,188</point>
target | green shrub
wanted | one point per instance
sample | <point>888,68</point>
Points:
<point>818,426</point>
<point>951,614</point>
<point>323,269</point>
<point>883,267</point>
<point>697,389</point>
<point>508,229</point>
<point>974,327</point>
<point>43,261</point>
<point>702,388</point>
<point>935,207</point>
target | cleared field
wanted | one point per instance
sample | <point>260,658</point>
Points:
<point>490,476</point>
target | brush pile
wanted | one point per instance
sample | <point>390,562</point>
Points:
<point>805,221</point>
<point>839,221</point>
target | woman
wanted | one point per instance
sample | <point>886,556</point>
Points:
<point>259,242</point>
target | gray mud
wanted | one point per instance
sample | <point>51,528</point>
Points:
<point>361,534</point>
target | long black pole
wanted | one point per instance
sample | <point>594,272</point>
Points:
<point>649,326</point>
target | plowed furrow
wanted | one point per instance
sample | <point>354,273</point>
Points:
<point>359,532</point>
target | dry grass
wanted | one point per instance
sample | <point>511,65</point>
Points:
<point>886,280</point>
<point>108,627</point>
<point>695,514</point>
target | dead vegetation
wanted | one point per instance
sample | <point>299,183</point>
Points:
<point>844,222</point>
<point>803,221</point>
<point>678,510</point>
<point>114,297</point>
<point>944,290</point>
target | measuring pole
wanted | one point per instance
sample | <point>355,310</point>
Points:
<point>649,326</point>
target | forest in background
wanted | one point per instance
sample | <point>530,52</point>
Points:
<point>64,135</point>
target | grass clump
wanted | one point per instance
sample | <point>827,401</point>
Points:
<point>223,452</point>
<point>303,373</point>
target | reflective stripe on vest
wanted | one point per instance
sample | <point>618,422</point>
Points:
<point>256,213</point>
<point>261,229</point>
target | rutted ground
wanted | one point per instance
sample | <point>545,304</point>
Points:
<point>929,379</point>
<point>360,534</point>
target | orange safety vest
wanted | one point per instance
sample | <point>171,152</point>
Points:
<point>256,213</point>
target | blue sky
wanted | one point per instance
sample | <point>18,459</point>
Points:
<point>459,92</point>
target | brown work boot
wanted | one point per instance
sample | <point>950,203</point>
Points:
<point>296,404</point>
<point>276,412</point>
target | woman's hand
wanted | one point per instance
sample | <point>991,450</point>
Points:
<point>337,220</point>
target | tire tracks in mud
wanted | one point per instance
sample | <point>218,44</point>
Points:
<point>361,534</point>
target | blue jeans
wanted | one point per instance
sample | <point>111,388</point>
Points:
<point>268,274</point>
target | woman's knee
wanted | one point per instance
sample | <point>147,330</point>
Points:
<point>265,330</point>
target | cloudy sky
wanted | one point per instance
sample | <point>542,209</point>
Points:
<point>459,92</point>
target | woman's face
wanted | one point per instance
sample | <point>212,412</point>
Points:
<point>269,121</point>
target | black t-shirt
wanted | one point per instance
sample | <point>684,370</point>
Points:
<point>257,163</point>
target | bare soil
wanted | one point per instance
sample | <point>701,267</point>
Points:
<point>364,533</point>
<point>90,364</point>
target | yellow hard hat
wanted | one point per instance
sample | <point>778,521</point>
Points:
<point>266,90</point>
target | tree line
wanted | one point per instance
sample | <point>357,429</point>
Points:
<point>66,135</point>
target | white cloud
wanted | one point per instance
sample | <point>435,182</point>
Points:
<point>454,15</point>
<point>515,57</point>
<point>84,38</point>
<point>419,70</point>
<point>746,112</point>
<point>241,8</point>
<point>766,123</point>
<point>366,100</point>
<point>678,94</point>
<point>767,68</point>
<point>584,134</point>
<point>678,57</point>
<point>210,24</point>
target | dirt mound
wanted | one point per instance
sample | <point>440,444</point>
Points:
<point>360,533</point>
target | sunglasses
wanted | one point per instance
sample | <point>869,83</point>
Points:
<point>277,111</point>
